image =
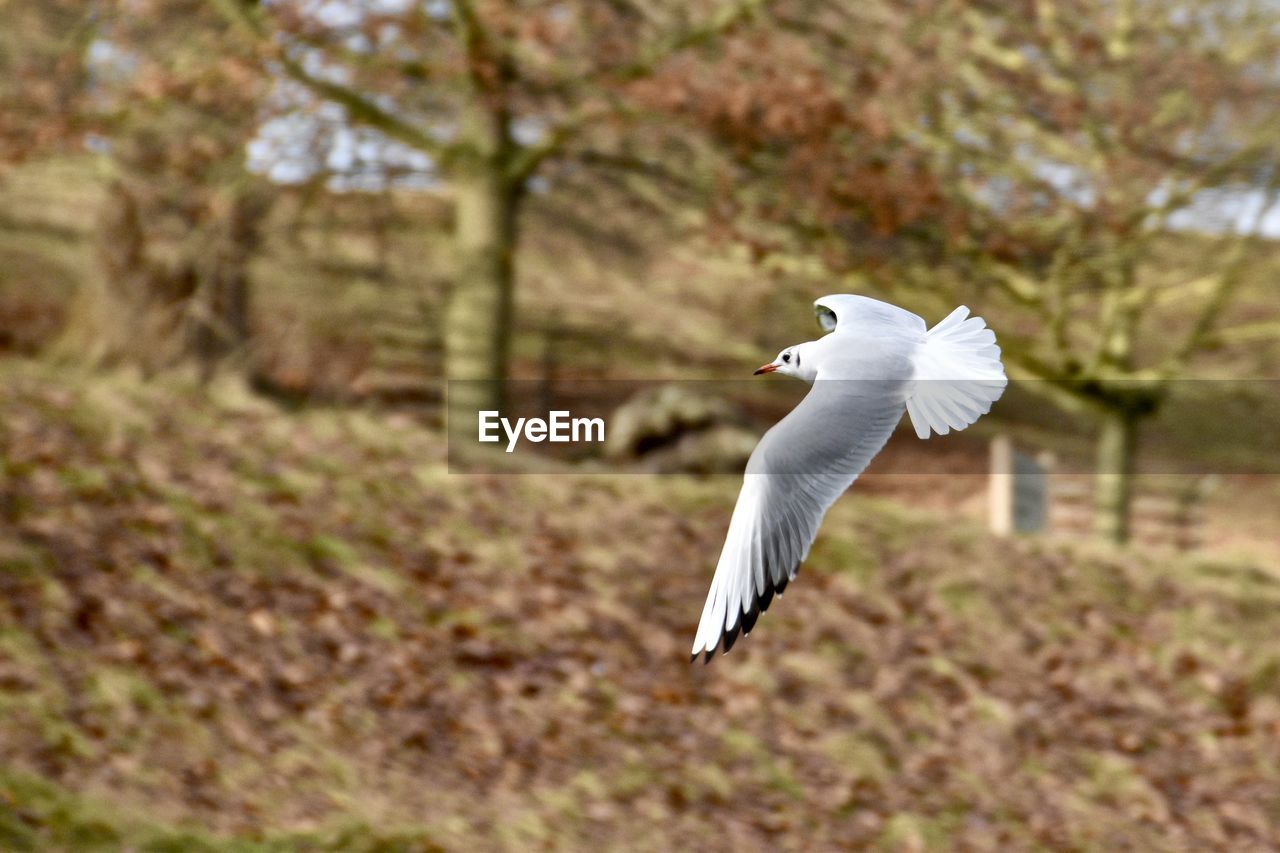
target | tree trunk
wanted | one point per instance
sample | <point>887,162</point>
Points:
<point>220,312</point>
<point>1117,442</point>
<point>221,323</point>
<point>126,314</point>
<point>478,314</point>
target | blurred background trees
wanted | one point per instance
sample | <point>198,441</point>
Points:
<point>1050,163</point>
<point>1076,149</point>
<point>43,59</point>
<point>490,93</point>
<point>176,98</point>
<point>1039,160</point>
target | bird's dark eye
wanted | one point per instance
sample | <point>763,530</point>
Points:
<point>786,357</point>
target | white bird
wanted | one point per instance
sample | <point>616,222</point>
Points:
<point>877,361</point>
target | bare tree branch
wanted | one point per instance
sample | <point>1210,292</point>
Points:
<point>1224,288</point>
<point>561,133</point>
<point>358,107</point>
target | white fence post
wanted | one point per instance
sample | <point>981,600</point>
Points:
<point>1019,489</point>
<point>1000,485</point>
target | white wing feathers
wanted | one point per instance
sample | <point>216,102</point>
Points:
<point>958,375</point>
<point>768,538</point>
<point>797,471</point>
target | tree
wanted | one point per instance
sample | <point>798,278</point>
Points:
<point>43,49</point>
<point>1037,158</point>
<point>1095,130</point>
<point>176,97</point>
<point>492,92</point>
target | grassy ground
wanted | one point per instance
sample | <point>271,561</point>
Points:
<point>228,627</point>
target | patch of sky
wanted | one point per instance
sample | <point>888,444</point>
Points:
<point>343,14</point>
<point>317,142</point>
<point>357,43</point>
<point>107,61</point>
<point>336,14</point>
<point>97,143</point>
<point>313,62</point>
<point>388,35</point>
<point>1069,182</point>
<point>528,130</point>
<point>1240,210</point>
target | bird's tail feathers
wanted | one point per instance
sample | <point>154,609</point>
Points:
<point>958,375</point>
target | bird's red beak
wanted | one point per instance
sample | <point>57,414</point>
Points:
<point>765,368</point>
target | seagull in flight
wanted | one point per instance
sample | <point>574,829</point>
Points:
<point>875,362</point>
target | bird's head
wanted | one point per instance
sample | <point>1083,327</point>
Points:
<point>794,361</point>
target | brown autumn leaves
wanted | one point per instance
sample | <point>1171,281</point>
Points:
<point>257,623</point>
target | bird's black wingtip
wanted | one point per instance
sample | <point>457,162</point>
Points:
<point>747,620</point>
<point>729,637</point>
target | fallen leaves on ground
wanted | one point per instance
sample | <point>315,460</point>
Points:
<point>226,620</point>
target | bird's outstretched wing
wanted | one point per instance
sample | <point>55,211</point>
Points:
<point>798,470</point>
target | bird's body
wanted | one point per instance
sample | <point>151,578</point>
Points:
<point>877,362</point>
